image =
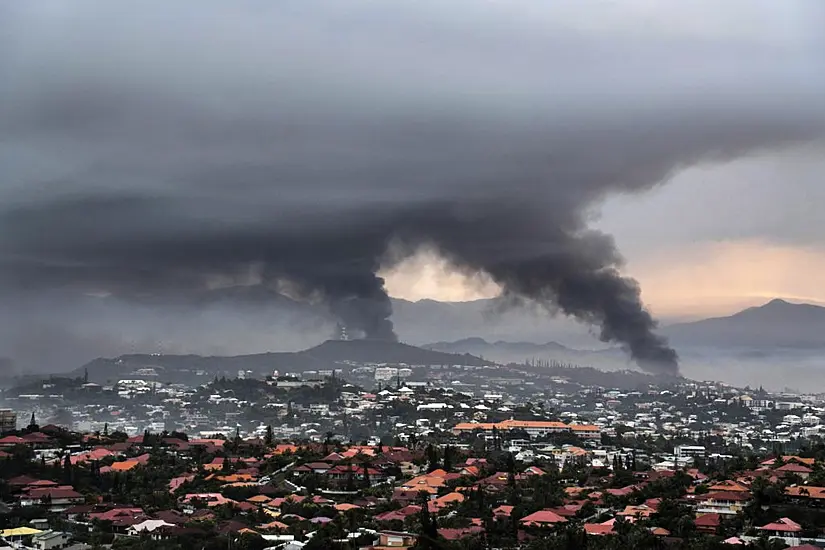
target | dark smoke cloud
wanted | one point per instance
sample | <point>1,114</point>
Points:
<point>151,149</point>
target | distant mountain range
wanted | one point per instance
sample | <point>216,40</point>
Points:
<point>776,327</point>
<point>777,324</point>
<point>247,322</point>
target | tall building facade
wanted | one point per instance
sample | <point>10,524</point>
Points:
<point>8,420</point>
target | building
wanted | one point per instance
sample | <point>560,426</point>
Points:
<point>726,503</point>
<point>396,539</point>
<point>385,374</point>
<point>51,540</point>
<point>55,499</point>
<point>8,420</point>
<point>689,451</point>
<point>533,428</point>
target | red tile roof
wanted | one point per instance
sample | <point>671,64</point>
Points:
<point>543,517</point>
<point>598,529</point>
<point>784,525</point>
<point>708,520</point>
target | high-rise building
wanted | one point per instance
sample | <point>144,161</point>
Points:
<point>8,420</point>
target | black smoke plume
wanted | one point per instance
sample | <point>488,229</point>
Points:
<point>152,149</point>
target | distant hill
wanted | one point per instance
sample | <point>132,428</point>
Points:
<point>324,356</point>
<point>379,351</point>
<point>500,351</point>
<point>777,324</point>
<point>493,320</point>
<point>517,352</point>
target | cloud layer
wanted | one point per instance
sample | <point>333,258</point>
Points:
<point>155,148</point>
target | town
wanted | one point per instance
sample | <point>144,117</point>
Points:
<point>538,455</point>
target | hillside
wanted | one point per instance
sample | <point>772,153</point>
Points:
<point>324,356</point>
<point>493,320</point>
<point>776,324</point>
<point>501,351</point>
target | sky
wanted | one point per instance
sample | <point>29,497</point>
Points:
<point>714,240</point>
<point>613,162</point>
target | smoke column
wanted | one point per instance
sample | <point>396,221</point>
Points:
<point>152,148</point>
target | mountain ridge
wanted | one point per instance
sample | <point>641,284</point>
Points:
<point>777,323</point>
<point>323,356</point>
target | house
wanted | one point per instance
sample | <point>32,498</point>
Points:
<point>783,527</point>
<point>56,499</point>
<point>346,507</point>
<point>622,492</point>
<point>398,515</point>
<point>12,440</point>
<point>429,483</point>
<point>722,502</point>
<point>396,539</point>
<point>121,518</point>
<point>210,499</point>
<point>794,469</point>
<point>172,516</point>
<point>50,540</point>
<point>496,482</point>
<point>708,523</point>
<point>438,504</point>
<point>806,492</point>
<point>147,526</point>
<point>542,518</point>
<point>729,486</point>
<point>503,511</point>
<point>599,529</point>
<point>74,512</point>
<point>313,468</point>
<point>176,482</point>
<point>458,534</point>
<point>91,456</point>
<point>21,481</point>
<point>641,511</point>
<point>787,459</point>
<point>586,431</point>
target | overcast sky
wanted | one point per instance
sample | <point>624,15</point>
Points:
<point>713,240</point>
<point>158,144</point>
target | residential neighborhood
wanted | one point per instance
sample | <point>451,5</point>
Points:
<point>445,463</point>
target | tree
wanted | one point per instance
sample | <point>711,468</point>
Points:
<point>448,458</point>
<point>67,469</point>
<point>250,541</point>
<point>350,478</point>
<point>236,442</point>
<point>432,458</point>
<point>675,517</point>
<point>327,442</point>
<point>428,537</point>
<point>367,482</point>
<point>268,438</point>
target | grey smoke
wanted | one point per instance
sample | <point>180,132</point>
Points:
<point>150,149</point>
